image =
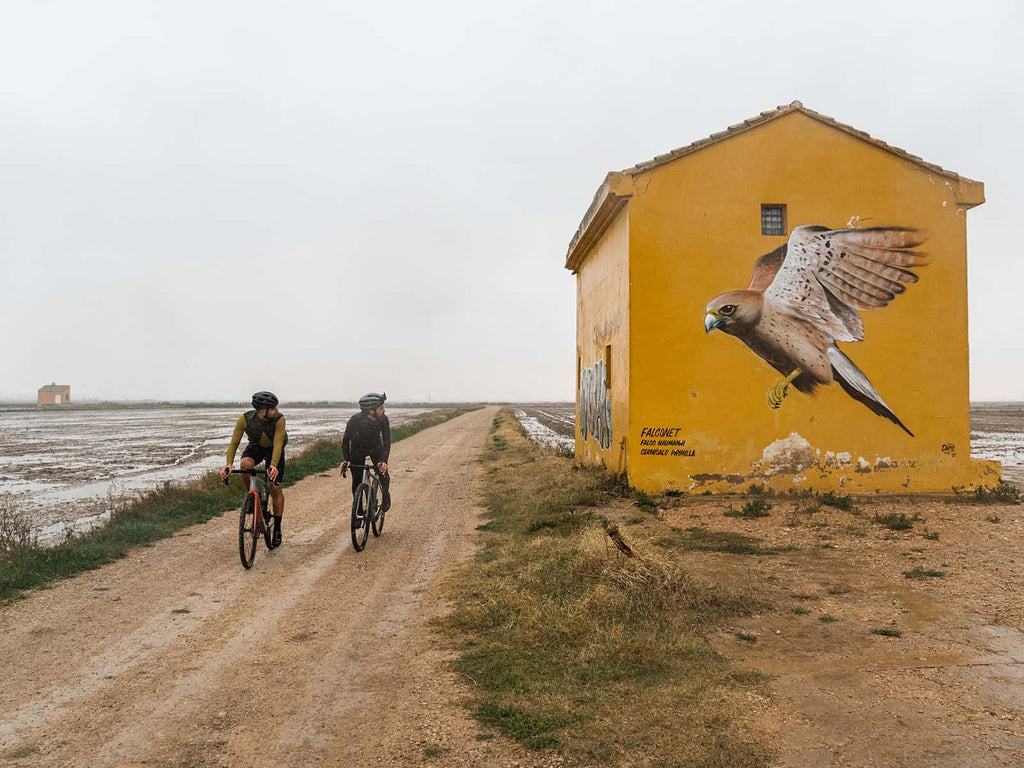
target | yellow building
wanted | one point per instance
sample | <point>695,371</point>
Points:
<point>837,361</point>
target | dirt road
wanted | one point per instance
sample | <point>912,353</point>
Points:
<point>317,656</point>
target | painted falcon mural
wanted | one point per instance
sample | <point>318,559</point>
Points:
<point>805,296</point>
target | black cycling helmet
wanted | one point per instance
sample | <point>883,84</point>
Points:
<point>372,400</point>
<point>263,400</point>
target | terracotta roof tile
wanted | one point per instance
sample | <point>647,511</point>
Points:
<point>606,202</point>
<point>771,114</point>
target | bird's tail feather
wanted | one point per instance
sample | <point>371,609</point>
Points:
<point>856,385</point>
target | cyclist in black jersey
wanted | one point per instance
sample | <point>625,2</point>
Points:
<point>368,433</point>
<point>265,429</point>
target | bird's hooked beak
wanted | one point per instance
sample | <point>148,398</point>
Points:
<point>712,320</point>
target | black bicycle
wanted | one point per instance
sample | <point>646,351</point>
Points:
<point>255,517</point>
<point>367,511</point>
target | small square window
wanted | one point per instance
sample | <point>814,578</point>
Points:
<point>773,219</point>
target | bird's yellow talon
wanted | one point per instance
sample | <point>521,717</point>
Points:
<point>779,392</point>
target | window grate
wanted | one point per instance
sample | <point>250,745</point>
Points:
<point>773,219</point>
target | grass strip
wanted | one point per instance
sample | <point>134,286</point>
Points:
<point>159,513</point>
<point>569,646</point>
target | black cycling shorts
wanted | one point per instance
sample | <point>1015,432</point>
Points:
<point>260,454</point>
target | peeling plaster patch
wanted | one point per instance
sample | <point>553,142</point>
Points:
<point>833,459</point>
<point>704,478</point>
<point>790,454</point>
<point>863,465</point>
<point>884,462</point>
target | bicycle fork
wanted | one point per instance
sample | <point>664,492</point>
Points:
<point>258,525</point>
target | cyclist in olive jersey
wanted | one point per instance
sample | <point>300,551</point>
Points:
<point>368,433</point>
<point>265,428</point>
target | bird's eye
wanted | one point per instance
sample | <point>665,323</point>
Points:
<point>728,309</point>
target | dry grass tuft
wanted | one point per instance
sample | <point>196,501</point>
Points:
<point>569,644</point>
<point>15,528</point>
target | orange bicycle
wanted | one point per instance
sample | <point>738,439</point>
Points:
<point>255,517</point>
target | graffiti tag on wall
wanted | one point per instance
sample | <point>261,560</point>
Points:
<point>595,407</point>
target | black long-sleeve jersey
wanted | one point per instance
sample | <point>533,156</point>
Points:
<point>366,437</point>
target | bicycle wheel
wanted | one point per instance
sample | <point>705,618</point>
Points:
<point>268,519</point>
<point>360,517</point>
<point>377,509</point>
<point>247,531</point>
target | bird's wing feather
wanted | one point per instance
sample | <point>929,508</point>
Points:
<point>829,275</point>
<point>766,268</point>
<point>856,384</point>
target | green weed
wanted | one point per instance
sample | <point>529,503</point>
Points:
<point>885,632</point>
<point>1003,493</point>
<point>895,521</point>
<point>922,573</point>
<point>758,506</point>
<point>837,500</point>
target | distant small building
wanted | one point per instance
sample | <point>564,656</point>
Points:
<point>55,394</point>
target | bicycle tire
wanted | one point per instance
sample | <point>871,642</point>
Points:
<point>247,531</point>
<point>360,517</point>
<point>377,509</point>
<point>268,520</point>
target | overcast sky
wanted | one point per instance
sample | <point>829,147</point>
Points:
<point>201,199</point>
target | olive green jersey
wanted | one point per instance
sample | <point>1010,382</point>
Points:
<point>266,433</point>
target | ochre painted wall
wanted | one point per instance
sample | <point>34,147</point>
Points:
<point>695,232</point>
<point>602,321</point>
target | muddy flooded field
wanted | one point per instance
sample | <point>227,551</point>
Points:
<point>997,431</point>
<point>553,425</point>
<point>61,466</point>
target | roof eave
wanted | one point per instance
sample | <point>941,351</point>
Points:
<point>610,198</point>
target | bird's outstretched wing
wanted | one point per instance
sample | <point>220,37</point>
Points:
<point>830,274</point>
<point>766,268</point>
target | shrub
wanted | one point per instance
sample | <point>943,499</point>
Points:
<point>895,521</point>
<point>837,500</point>
<point>1004,493</point>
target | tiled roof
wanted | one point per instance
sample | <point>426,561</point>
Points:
<point>55,388</point>
<point>771,114</point>
<point>614,192</point>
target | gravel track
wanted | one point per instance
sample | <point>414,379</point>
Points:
<point>316,656</point>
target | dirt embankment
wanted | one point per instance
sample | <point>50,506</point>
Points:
<point>847,691</point>
<point>317,656</point>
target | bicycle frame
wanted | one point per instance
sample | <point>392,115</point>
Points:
<point>256,502</point>
<point>365,515</point>
<point>258,490</point>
